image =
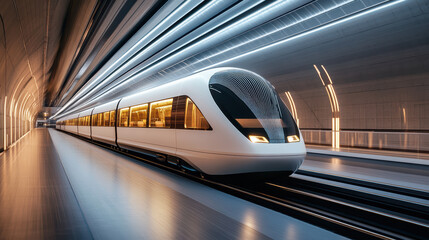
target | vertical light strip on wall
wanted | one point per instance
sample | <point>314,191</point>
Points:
<point>4,125</point>
<point>293,108</point>
<point>335,107</point>
<point>11,119</point>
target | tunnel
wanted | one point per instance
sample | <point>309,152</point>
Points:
<point>220,119</point>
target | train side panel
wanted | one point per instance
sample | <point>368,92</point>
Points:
<point>71,129</point>
<point>159,140</point>
<point>85,131</point>
<point>104,134</point>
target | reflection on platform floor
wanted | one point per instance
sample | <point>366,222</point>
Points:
<point>36,199</point>
<point>56,186</point>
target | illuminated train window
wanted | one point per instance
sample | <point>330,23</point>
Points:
<point>99,119</point>
<point>123,117</point>
<point>112,118</point>
<point>84,121</point>
<point>106,119</point>
<point>194,119</point>
<point>160,113</point>
<point>87,120</point>
<point>138,116</point>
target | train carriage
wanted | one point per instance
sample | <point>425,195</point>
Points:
<point>219,122</point>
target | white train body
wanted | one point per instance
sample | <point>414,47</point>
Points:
<point>227,141</point>
<point>84,130</point>
<point>104,134</point>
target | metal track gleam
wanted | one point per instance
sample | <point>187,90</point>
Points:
<point>346,211</point>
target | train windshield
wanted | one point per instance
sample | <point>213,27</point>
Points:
<point>253,107</point>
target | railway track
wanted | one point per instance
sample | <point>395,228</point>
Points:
<point>351,207</point>
<point>391,215</point>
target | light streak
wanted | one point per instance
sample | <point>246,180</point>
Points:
<point>4,124</point>
<point>292,104</point>
<point>328,25</point>
<point>274,31</point>
<point>131,51</point>
<point>335,107</point>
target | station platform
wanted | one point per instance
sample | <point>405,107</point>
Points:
<point>401,169</point>
<point>55,186</point>
<point>374,154</point>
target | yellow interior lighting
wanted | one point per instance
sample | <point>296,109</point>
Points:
<point>258,139</point>
<point>293,138</point>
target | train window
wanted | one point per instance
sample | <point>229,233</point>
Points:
<point>194,119</point>
<point>100,119</point>
<point>123,117</point>
<point>138,116</point>
<point>94,120</point>
<point>106,119</point>
<point>87,120</point>
<point>112,118</point>
<point>160,113</point>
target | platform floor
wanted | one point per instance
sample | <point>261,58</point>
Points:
<point>360,166</point>
<point>55,186</point>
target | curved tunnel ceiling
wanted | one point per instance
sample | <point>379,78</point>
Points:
<point>30,33</point>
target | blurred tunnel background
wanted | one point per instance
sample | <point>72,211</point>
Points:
<point>353,73</point>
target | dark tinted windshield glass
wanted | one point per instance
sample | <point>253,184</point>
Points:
<point>236,111</point>
<point>252,106</point>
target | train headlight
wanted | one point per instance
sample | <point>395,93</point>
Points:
<point>293,138</point>
<point>258,139</point>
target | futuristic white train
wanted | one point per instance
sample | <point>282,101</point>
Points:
<point>218,122</point>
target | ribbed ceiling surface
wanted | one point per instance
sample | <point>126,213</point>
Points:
<point>30,33</point>
<point>183,37</point>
